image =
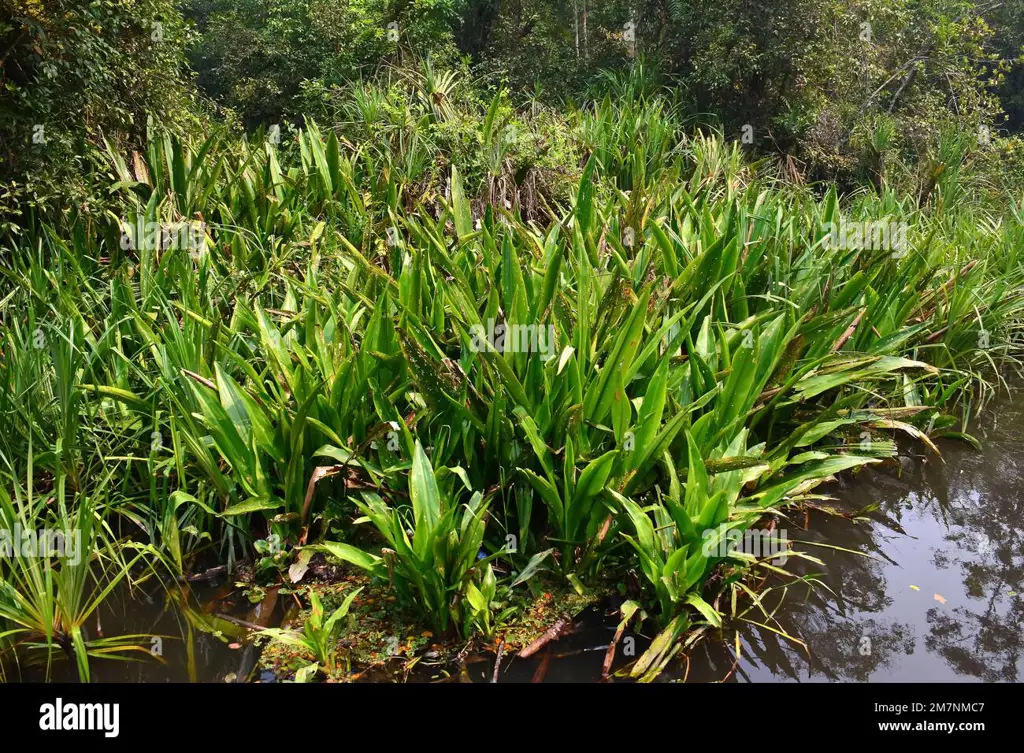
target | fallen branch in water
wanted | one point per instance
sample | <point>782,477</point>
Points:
<point>560,627</point>
<point>243,623</point>
<point>497,662</point>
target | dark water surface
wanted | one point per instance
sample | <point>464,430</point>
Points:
<point>938,597</point>
<point>953,529</point>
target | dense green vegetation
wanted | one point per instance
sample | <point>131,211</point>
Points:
<point>463,321</point>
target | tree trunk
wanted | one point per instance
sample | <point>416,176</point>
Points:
<point>586,45</point>
<point>576,25</point>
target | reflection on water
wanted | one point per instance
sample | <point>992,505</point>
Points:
<point>940,599</point>
<point>178,652</point>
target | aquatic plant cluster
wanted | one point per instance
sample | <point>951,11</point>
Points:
<point>690,353</point>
